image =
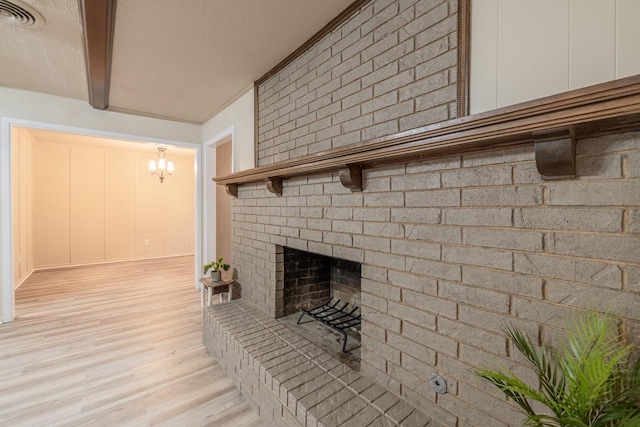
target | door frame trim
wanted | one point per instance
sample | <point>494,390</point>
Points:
<point>209,186</point>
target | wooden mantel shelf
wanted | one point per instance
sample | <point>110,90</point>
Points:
<point>552,123</point>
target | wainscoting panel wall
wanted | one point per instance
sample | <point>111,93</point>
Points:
<point>120,200</point>
<point>87,205</point>
<point>22,204</point>
<point>524,50</point>
<point>51,208</point>
<point>95,204</point>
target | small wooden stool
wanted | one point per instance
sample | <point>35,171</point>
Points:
<point>214,288</point>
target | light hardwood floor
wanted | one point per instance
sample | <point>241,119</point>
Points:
<point>113,345</point>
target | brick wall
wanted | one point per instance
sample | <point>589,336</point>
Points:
<point>391,67</point>
<point>450,249</point>
<point>307,280</point>
<point>345,281</point>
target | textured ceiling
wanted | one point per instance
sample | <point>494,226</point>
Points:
<point>45,59</point>
<point>179,59</point>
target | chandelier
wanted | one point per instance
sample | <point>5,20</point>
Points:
<point>163,168</point>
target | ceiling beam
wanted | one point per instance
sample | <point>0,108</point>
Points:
<point>98,20</point>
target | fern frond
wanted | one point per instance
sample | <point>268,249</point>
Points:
<point>591,382</point>
<point>544,365</point>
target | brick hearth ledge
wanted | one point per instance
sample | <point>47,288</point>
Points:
<point>290,381</point>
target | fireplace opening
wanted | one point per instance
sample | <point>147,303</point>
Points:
<point>310,280</point>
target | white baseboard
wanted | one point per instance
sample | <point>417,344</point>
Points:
<point>67,266</point>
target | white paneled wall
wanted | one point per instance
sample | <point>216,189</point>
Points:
<point>22,205</point>
<point>533,47</point>
<point>528,49</point>
<point>592,32</point>
<point>238,117</point>
<point>94,204</point>
<point>627,38</point>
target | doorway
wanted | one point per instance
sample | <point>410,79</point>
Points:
<point>224,154</point>
<point>15,243</point>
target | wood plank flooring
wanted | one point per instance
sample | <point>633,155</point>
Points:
<point>113,345</point>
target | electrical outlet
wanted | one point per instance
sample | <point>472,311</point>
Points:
<point>146,242</point>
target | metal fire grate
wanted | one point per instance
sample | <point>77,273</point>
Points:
<point>336,316</point>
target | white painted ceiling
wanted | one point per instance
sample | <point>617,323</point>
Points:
<point>179,59</point>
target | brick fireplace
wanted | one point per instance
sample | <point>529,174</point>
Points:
<point>451,244</point>
<point>450,250</point>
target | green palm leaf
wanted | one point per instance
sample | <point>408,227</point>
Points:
<point>590,382</point>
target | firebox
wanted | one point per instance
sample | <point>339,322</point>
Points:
<point>311,279</point>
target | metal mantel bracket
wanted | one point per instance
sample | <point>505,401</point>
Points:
<point>555,152</point>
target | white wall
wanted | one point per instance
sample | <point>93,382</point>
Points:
<point>525,49</point>
<point>31,109</point>
<point>239,116</point>
<point>236,122</point>
<point>22,204</point>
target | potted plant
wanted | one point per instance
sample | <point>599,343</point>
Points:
<point>592,381</point>
<point>215,267</point>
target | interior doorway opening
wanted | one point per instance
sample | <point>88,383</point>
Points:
<point>218,161</point>
<point>98,231</point>
<point>224,158</point>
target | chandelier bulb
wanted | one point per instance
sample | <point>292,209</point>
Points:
<point>162,166</point>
